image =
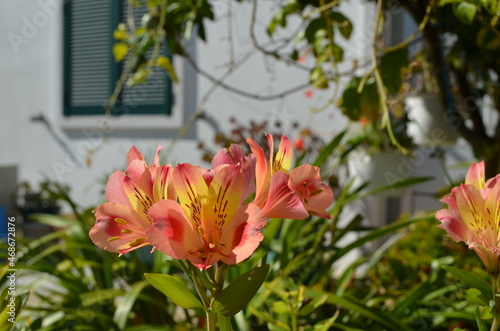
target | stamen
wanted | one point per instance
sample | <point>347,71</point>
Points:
<point>137,241</point>
<point>120,220</point>
<point>113,238</point>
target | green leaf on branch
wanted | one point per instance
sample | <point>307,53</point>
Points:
<point>238,294</point>
<point>349,103</point>
<point>342,23</point>
<point>473,281</point>
<point>391,68</point>
<point>465,12</point>
<point>165,63</point>
<point>176,291</point>
<point>318,78</point>
<point>120,50</point>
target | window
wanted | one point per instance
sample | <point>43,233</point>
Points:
<point>90,71</point>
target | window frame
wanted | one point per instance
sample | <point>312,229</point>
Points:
<point>91,112</point>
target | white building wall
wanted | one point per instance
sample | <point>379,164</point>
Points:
<point>31,84</point>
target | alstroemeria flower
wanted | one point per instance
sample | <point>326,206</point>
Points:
<point>265,169</point>
<point>282,194</point>
<point>122,221</point>
<point>209,223</point>
<point>473,215</point>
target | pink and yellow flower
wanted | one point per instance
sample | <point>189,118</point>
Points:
<point>122,221</point>
<point>292,194</point>
<point>197,214</point>
<point>473,215</point>
<point>209,223</point>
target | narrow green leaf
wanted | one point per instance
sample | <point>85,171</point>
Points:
<point>398,184</point>
<point>473,281</point>
<point>176,291</point>
<point>238,294</point>
<point>312,305</point>
<point>122,312</point>
<point>378,233</point>
<point>328,149</point>
<point>384,318</point>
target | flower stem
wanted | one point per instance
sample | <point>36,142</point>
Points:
<point>496,287</point>
<point>211,321</point>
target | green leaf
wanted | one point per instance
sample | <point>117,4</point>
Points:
<point>384,318</point>
<point>176,291</point>
<point>224,323</point>
<point>280,307</point>
<point>328,149</point>
<point>318,78</point>
<point>465,12</point>
<point>473,281</point>
<point>391,68</point>
<point>349,102</point>
<point>378,233</point>
<point>165,63</point>
<point>312,305</point>
<point>122,312</point>
<point>342,23</point>
<point>119,51</point>
<point>238,294</point>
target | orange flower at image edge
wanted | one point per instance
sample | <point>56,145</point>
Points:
<point>473,215</point>
<point>202,215</point>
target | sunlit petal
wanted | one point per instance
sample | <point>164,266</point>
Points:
<point>114,189</point>
<point>191,190</point>
<point>118,228</point>
<point>475,175</point>
<point>282,201</point>
<point>242,236</point>
<point>171,232</point>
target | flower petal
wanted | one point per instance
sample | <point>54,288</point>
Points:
<point>163,188</point>
<point>471,206</point>
<point>492,211</point>
<point>242,236</point>
<point>453,224</point>
<point>282,201</point>
<point>134,154</point>
<point>475,175</point>
<point>118,228</point>
<point>114,189</point>
<point>306,183</point>
<point>284,156</point>
<point>171,232</point>
<point>223,199</point>
<point>156,160</point>
<point>235,155</point>
<point>262,173</point>
<point>191,190</point>
<point>139,192</point>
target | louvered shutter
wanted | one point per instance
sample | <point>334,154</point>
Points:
<point>90,72</point>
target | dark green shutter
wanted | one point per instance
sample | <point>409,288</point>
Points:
<point>90,72</point>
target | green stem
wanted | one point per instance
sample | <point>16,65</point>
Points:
<point>294,321</point>
<point>496,287</point>
<point>211,321</point>
<point>386,123</point>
